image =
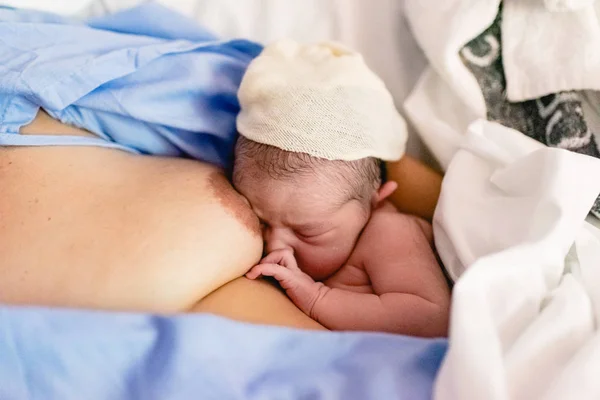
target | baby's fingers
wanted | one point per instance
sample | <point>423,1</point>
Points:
<point>276,271</point>
<point>283,257</point>
<point>253,273</point>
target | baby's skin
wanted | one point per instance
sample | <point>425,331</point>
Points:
<point>348,265</point>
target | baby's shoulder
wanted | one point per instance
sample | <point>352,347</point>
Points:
<point>387,222</point>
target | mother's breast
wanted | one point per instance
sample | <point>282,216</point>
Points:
<point>92,227</point>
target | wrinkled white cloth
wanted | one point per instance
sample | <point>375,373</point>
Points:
<point>439,115</point>
<point>542,51</point>
<point>567,5</point>
<point>442,28</point>
<point>547,52</point>
<point>511,223</point>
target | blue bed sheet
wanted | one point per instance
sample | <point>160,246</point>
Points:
<point>64,354</point>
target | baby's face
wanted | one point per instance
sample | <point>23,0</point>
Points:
<point>305,215</point>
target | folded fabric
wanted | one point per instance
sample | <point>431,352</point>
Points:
<point>146,80</point>
<point>555,120</point>
<point>442,29</point>
<point>63,7</point>
<point>565,119</point>
<point>60,354</point>
<point>567,5</point>
<point>544,52</point>
<point>510,223</point>
<point>547,52</point>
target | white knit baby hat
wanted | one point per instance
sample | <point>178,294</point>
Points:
<point>319,99</point>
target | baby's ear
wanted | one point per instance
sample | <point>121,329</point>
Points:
<point>384,192</point>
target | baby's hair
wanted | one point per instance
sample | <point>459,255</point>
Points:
<point>360,178</point>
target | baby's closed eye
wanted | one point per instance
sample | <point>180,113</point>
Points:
<point>310,236</point>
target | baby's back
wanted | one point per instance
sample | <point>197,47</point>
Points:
<point>394,253</point>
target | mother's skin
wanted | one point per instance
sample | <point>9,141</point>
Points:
<point>100,228</point>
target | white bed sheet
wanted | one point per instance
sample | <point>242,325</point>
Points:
<point>511,224</point>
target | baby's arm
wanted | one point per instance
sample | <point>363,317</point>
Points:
<point>411,293</point>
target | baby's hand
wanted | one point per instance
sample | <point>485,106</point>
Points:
<point>300,287</point>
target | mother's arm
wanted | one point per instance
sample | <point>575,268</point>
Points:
<point>255,301</point>
<point>418,187</point>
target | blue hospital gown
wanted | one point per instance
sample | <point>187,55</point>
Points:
<point>146,80</point>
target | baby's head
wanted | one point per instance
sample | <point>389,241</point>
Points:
<point>313,206</point>
<point>314,123</point>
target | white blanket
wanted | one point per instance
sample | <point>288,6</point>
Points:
<point>525,310</point>
<point>542,52</point>
<point>567,5</point>
<point>510,224</point>
<point>539,58</point>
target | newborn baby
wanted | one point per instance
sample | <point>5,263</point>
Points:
<point>344,255</point>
